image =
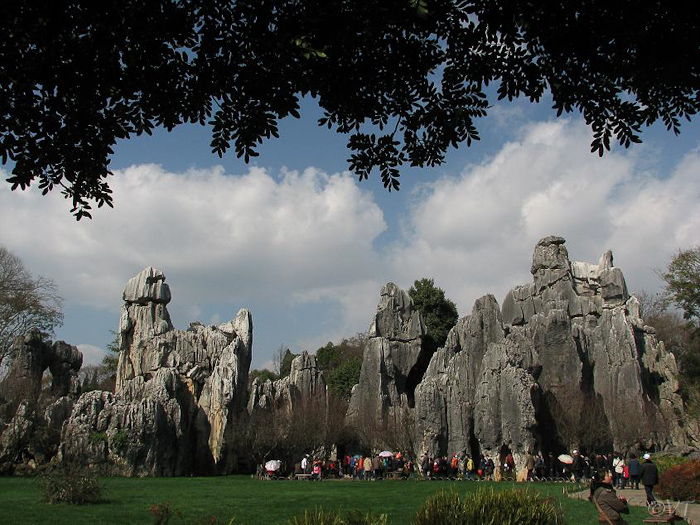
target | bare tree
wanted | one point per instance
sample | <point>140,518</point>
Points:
<point>400,432</point>
<point>25,302</point>
<point>277,358</point>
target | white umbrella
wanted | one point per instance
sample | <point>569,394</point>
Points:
<point>386,454</point>
<point>273,465</point>
<point>566,459</point>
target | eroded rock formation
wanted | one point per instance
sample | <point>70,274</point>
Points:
<point>34,416</point>
<point>178,396</point>
<point>568,362</point>
<point>394,360</point>
<point>305,383</point>
<point>597,358</point>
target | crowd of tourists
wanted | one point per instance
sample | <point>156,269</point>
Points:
<point>626,470</point>
<point>356,466</point>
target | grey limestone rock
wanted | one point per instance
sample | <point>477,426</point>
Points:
<point>147,287</point>
<point>505,402</point>
<point>139,437</point>
<point>36,410</point>
<point>568,347</point>
<point>32,356</point>
<point>396,319</point>
<point>447,395</point>
<point>393,361</point>
<point>305,383</point>
<point>188,389</point>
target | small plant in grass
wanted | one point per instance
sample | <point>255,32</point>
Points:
<point>70,483</point>
<point>444,507</point>
<point>318,516</point>
<point>358,518</point>
<point>163,512</point>
<point>506,507</point>
<point>682,482</point>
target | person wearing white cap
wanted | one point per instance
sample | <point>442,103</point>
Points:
<point>650,477</point>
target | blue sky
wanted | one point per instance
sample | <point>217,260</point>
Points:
<point>306,247</point>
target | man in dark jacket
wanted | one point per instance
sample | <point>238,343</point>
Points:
<point>650,477</point>
<point>635,469</point>
<point>609,505</point>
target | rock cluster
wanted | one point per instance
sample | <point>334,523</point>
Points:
<point>178,395</point>
<point>33,412</point>
<point>568,362</point>
<point>304,383</point>
<point>32,356</point>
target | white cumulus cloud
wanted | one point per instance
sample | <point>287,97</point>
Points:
<point>214,235</point>
<point>474,232</point>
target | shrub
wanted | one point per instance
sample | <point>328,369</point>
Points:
<point>664,463</point>
<point>96,438</point>
<point>161,512</point>
<point>70,483</point>
<point>120,440</point>
<point>505,507</point>
<point>682,482</point>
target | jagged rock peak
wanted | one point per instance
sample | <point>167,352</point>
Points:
<point>179,395</point>
<point>396,318</point>
<point>147,287</point>
<point>550,253</point>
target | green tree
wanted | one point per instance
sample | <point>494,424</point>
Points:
<point>345,376</point>
<point>405,80</point>
<point>286,363</point>
<point>25,302</point>
<point>439,312</point>
<point>329,357</point>
<point>682,278</point>
<point>111,359</point>
<point>341,364</point>
<point>683,283</point>
<point>263,375</point>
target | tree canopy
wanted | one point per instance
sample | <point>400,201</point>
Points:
<point>405,80</point>
<point>341,364</point>
<point>439,312</point>
<point>675,315</point>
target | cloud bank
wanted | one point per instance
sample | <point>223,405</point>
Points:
<point>311,241</point>
<point>474,232</point>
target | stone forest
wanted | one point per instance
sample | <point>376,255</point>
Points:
<point>566,361</point>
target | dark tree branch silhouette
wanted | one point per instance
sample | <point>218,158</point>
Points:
<point>405,80</point>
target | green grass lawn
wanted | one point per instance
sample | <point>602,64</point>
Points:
<point>253,501</point>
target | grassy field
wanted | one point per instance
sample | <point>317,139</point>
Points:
<point>252,501</point>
